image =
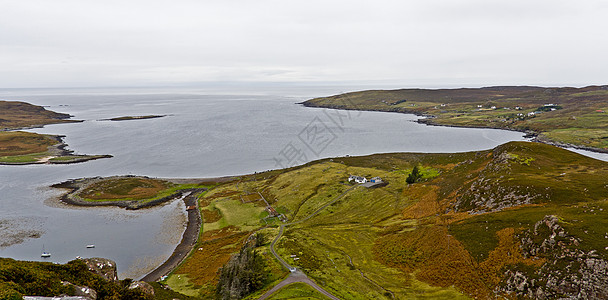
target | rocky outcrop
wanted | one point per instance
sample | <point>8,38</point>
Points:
<point>82,291</point>
<point>569,272</point>
<point>486,193</point>
<point>144,286</point>
<point>103,267</point>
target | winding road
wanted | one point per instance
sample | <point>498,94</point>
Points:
<point>297,275</point>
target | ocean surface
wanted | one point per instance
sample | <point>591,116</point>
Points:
<point>205,133</point>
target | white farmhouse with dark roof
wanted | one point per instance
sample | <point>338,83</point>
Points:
<point>357,179</point>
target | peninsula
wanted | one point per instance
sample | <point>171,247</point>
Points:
<point>16,114</point>
<point>564,116</point>
<point>24,148</point>
<point>130,192</point>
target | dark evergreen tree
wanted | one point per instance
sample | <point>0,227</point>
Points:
<point>415,176</point>
<point>243,274</point>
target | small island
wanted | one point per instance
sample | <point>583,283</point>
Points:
<point>127,118</point>
<point>25,148</point>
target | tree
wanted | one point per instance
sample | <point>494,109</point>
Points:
<point>415,176</point>
<point>243,274</point>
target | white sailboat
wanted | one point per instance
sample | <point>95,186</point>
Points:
<point>90,246</point>
<point>44,253</point>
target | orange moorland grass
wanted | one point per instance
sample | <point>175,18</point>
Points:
<point>433,257</point>
<point>426,205</point>
<point>251,197</point>
<point>211,216</point>
<point>205,201</point>
<point>439,259</point>
<point>22,143</point>
<point>212,252</point>
<point>122,188</point>
<point>508,252</point>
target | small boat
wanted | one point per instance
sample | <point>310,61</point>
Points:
<point>44,253</point>
<point>90,246</point>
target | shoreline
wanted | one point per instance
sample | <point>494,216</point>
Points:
<point>427,120</point>
<point>193,224</point>
<point>186,245</point>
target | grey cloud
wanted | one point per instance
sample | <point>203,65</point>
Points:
<point>434,42</point>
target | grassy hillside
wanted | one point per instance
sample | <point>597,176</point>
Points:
<point>15,114</point>
<point>477,225</point>
<point>578,116</point>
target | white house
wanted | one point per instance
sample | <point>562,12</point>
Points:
<point>357,179</point>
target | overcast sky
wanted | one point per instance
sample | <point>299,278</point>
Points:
<point>427,43</point>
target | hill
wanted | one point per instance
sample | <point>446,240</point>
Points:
<point>575,116</point>
<point>521,220</point>
<point>15,114</point>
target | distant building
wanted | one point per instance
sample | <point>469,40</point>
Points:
<point>530,114</point>
<point>376,180</point>
<point>493,107</point>
<point>271,211</point>
<point>357,179</point>
<point>479,106</point>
